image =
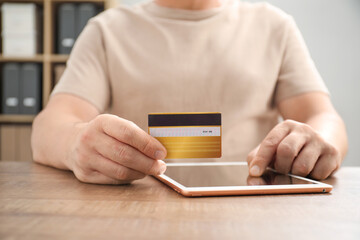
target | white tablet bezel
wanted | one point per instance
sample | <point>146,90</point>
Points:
<point>241,190</point>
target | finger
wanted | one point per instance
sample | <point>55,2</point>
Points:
<point>325,166</point>
<point>287,151</point>
<point>114,170</point>
<point>128,156</point>
<point>306,160</point>
<point>92,176</point>
<point>252,155</point>
<point>267,149</point>
<point>129,133</point>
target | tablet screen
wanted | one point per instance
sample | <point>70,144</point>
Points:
<point>226,175</point>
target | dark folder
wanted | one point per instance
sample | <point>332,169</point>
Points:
<point>10,88</point>
<point>85,11</point>
<point>30,85</point>
<point>66,27</point>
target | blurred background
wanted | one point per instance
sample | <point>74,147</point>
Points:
<point>36,41</point>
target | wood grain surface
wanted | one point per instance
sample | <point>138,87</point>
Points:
<point>38,202</point>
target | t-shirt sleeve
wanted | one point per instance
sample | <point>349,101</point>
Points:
<point>86,73</point>
<point>298,73</point>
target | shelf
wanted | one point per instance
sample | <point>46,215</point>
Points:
<point>55,1</point>
<point>59,58</point>
<point>36,58</point>
<point>47,58</point>
<point>78,1</point>
<point>56,58</point>
<point>7,118</point>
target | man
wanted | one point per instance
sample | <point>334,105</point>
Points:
<point>247,61</point>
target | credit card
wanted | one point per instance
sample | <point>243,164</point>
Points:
<point>188,135</point>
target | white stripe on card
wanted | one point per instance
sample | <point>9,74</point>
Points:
<point>185,131</point>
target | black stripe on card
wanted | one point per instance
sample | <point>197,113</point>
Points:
<point>194,119</point>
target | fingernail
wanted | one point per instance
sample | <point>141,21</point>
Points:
<point>159,155</point>
<point>255,170</point>
<point>162,169</point>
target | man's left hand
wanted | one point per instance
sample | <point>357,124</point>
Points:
<point>294,147</point>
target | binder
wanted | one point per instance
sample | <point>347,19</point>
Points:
<point>30,88</point>
<point>20,26</point>
<point>10,88</point>
<point>85,11</point>
<point>66,27</point>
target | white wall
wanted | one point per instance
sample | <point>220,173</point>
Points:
<point>331,29</point>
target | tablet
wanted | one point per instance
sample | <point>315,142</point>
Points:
<point>232,178</point>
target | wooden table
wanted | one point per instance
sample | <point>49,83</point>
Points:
<point>38,202</point>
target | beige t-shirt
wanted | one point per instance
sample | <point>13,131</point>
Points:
<point>239,59</point>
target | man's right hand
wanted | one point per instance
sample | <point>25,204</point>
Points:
<point>112,150</point>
